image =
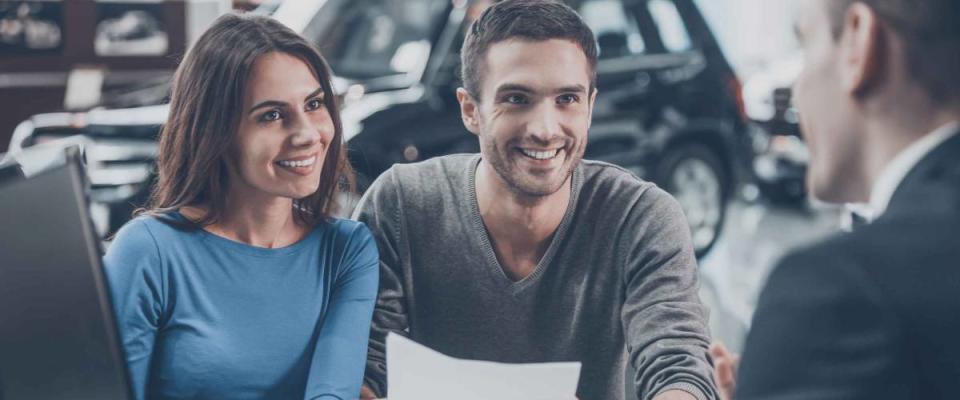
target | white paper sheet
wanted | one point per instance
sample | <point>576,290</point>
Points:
<point>415,372</point>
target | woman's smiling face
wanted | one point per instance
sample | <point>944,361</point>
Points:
<point>284,131</point>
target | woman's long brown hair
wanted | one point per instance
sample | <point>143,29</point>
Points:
<point>205,107</point>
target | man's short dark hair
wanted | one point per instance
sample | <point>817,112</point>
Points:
<point>534,20</point>
<point>930,31</point>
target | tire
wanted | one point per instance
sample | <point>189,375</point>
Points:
<point>697,179</point>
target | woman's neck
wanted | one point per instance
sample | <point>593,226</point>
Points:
<point>267,223</point>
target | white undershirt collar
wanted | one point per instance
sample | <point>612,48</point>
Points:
<point>897,169</point>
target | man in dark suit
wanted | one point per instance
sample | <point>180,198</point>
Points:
<point>872,314</point>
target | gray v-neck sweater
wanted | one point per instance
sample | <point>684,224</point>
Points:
<point>617,284</point>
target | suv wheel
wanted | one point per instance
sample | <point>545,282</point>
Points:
<point>694,175</point>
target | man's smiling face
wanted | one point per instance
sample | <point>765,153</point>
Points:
<point>534,112</point>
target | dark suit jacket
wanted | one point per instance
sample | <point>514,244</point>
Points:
<point>873,314</point>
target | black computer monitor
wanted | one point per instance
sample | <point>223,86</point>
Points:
<point>58,336</point>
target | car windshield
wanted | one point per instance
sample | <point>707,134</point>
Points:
<point>378,38</point>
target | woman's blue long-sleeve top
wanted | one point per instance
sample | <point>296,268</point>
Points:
<point>204,317</point>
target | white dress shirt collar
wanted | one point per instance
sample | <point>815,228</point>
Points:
<point>893,173</point>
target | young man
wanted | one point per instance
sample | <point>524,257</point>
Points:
<point>525,252</point>
<point>874,314</point>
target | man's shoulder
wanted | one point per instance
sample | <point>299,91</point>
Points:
<point>886,257</point>
<point>424,186</point>
<point>903,239</point>
<point>601,170</point>
<point>424,175</point>
<point>836,255</point>
<point>612,179</point>
<point>608,185</point>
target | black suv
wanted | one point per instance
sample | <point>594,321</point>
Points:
<point>668,107</point>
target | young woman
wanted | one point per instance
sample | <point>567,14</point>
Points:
<point>237,283</point>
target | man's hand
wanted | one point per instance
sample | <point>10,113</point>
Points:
<point>724,369</point>
<point>366,393</point>
<point>675,395</point>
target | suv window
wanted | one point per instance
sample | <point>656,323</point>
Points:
<point>673,32</point>
<point>615,28</point>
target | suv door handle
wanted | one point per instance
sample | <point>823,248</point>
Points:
<point>642,79</point>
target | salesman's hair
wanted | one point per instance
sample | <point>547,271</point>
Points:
<point>930,31</point>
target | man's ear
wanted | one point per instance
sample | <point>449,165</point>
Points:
<point>862,46</point>
<point>469,111</point>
